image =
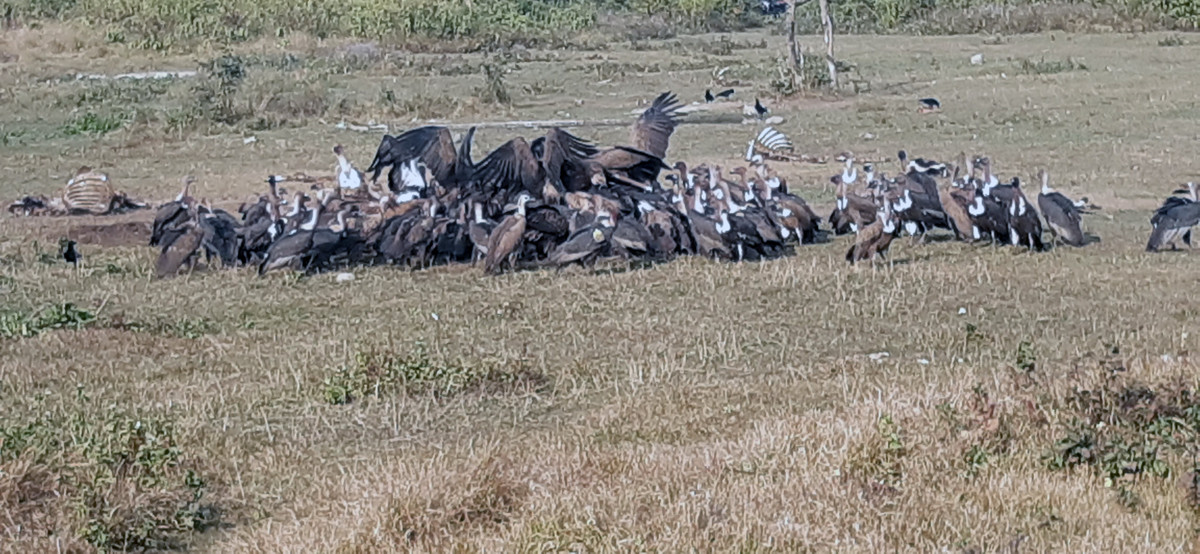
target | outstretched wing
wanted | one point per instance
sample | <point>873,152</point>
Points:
<point>432,144</point>
<point>561,154</point>
<point>652,132</point>
<point>509,168</point>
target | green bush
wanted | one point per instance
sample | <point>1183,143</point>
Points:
<point>1128,432</point>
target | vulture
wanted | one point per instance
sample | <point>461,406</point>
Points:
<point>479,229</point>
<point>348,177</point>
<point>956,201</point>
<point>852,211</point>
<point>586,244</point>
<point>916,207</point>
<point>170,215</point>
<point>289,250</point>
<point>1024,225</point>
<point>1063,216</point>
<point>921,165</point>
<point>335,244</point>
<point>1174,221</point>
<point>505,240</point>
<point>639,165</point>
<point>222,234</point>
<point>434,147</point>
<point>874,240</point>
<point>544,169</point>
<point>184,244</point>
<point>401,238</point>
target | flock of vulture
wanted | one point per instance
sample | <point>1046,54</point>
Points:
<point>559,200</point>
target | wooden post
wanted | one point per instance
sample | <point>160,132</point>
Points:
<point>827,23</point>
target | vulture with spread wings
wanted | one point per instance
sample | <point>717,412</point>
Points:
<point>560,162</point>
<point>434,147</point>
<point>638,165</point>
<point>546,169</point>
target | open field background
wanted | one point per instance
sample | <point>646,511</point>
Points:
<point>687,406</point>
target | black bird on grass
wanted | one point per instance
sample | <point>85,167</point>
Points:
<point>757,110</point>
<point>709,97</point>
<point>66,248</point>
<point>929,105</point>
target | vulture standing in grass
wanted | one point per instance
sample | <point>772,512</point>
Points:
<point>289,250</point>
<point>1062,215</point>
<point>479,229</point>
<point>185,243</point>
<point>1024,225</point>
<point>222,234</point>
<point>1173,222</point>
<point>875,239</point>
<point>171,215</point>
<point>957,200</point>
<point>505,241</point>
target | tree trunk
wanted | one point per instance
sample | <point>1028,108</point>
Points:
<point>793,50</point>
<point>827,23</point>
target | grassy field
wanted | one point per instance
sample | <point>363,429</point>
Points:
<point>964,398</point>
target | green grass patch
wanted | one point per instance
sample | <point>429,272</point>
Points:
<point>91,123</point>
<point>18,324</point>
<point>382,372</point>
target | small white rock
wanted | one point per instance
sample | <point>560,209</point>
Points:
<point>878,356</point>
<point>249,140</point>
<point>345,277</point>
<point>923,361</point>
<point>977,59</point>
<point>962,311</point>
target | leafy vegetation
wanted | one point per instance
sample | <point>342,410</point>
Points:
<point>111,479</point>
<point>1127,432</point>
<point>169,24</point>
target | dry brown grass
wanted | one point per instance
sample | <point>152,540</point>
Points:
<point>690,405</point>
